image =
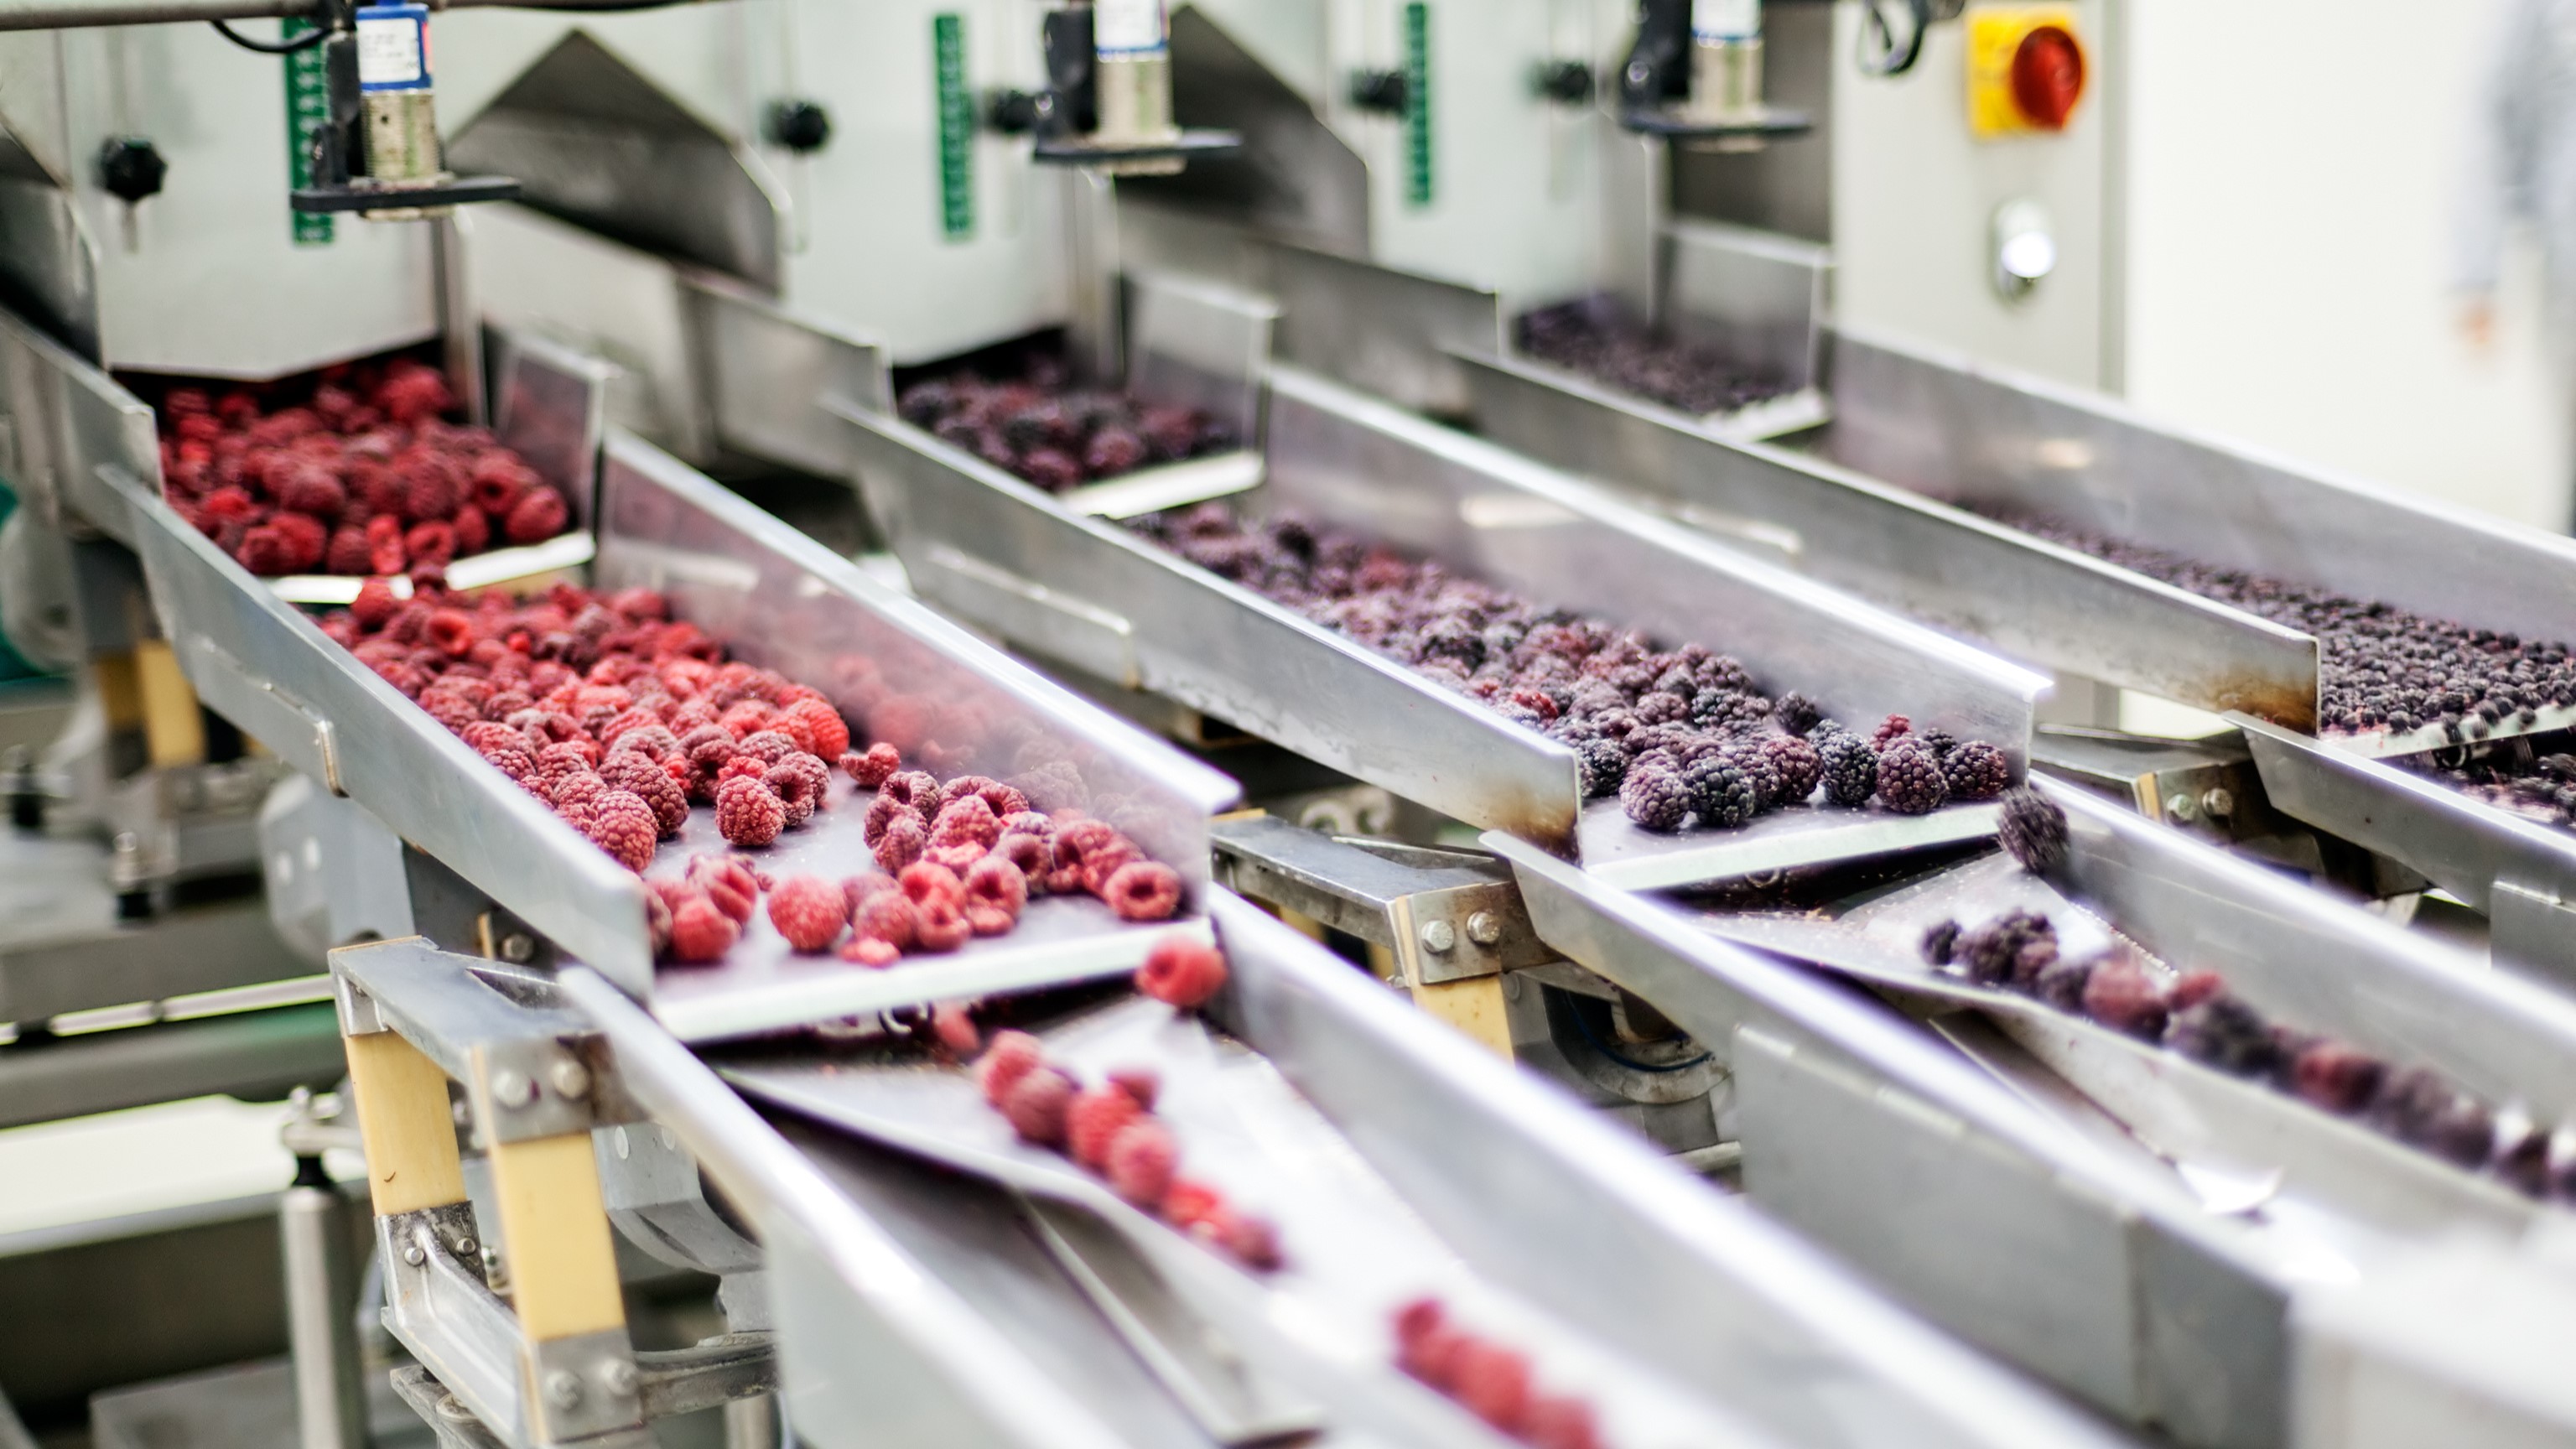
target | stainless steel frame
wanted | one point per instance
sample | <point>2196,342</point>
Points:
<point>1010,558</point>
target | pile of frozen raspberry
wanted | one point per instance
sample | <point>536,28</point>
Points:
<point>2381,667</point>
<point>363,477</point>
<point>1597,337</point>
<point>1054,436</point>
<point>2539,787</point>
<point>622,719</point>
<point>2196,1015</point>
<point>1109,1128</point>
<point>1489,1379</point>
<point>1682,736</point>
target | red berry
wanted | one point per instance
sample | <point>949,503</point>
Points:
<point>873,768</point>
<point>831,734</point>
<point>1138,1082</point>
<point>1493,1383</point>
<point>888,917</point>
<point>1140,1163</point>
<point>701,934</point>
<point>923,882</point>
<point>996,892</point>
<point>1143,890</point>
<point>748,812</point>
<point>634,772</point>
<point>1418,1319</point>
<point>1096,1116</point>
<point>1010,1056</point>
<point>1181,972</point>
<point>2194,988</point>
<point>1253,1241</point>
<point>953,1022</point>
<point>727,881</point>
<point>940,924</point>
<point>1556,1421</point>
<point>2124,997</point>
<point>809,911</point>
<point>1191,1205</point>
<point>900,846</point>
<point>1036,1106</point>
<point>969,819</point>
<point>2336,1077</point>
<point>624,827</point>
<point>537,516</point>
<point>870,951</point>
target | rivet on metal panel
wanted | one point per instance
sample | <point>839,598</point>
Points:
<point>618,1377</point>
<point>2218,801</point>
<point>415,1255</point>
<point>563,1388</point>
<point>2182,809</point>
<point>517,947</point>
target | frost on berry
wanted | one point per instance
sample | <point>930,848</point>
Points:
<point>1143,890</point>
<point>748,812</point>
<point>809,911</point>
<point>1181,972</point>
<point>1096,1116</point>
<point>1140,1162</point>
<point>1037,1103</point>
<point>1010,1056</point>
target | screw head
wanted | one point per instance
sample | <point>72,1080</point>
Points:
<point>1484,928</point>
<point>465,1247</point>
<point>802,126</point>
<point>563,1388</point>
<point>131,168</point>
<point>2218,800</point>
<point>517,947</point>
<point>1439,937</point>
<point>414,1254</point>
<point>618,1377</point>
<point>513,1088</point>
<point>570,1078</point>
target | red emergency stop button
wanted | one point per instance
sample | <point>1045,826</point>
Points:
<point>2048,77</point>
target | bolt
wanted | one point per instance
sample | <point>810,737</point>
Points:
<point>2218,800</point>
<point>465,1247</point>
<point>491,1260</point>
<point>414,1254</point>
<point>2183,808</point>
<point>513,1089</point>
<point>517,947</point>
<point>1439,937</point>
<point>563,1388</point>
<point>453,1408</point>
<point>1484,929</point>
<point>618,1377</point>
<point>571,1079</point>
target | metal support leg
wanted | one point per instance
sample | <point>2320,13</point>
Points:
<point>1095,327</point>
<point>321,1286</point>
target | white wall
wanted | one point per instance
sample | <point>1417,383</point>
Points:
<point>2292,174</point>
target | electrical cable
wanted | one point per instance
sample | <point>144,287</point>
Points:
<point>306,41</point>
<point>1593,1040</point>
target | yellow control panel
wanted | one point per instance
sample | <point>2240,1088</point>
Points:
<point>2027,69</point>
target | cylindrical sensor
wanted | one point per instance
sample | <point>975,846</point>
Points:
<point>1133,42</point>
<point>1726,59</point>
<point>393,76</point>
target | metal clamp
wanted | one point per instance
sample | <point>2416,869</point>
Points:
<point>1447,915</point>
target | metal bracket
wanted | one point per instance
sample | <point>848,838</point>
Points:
<point>1447,915</point>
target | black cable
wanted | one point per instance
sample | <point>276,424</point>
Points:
<point>1593,1039</point>
<point>1881,52</point>
<point>306,41</point>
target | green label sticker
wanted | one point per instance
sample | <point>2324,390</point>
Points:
<point>956,125</point>
<point>1417,103</point>
<point>308,109</point>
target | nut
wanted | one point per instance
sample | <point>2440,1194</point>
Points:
<point>2218,800</point>
<point>1439,937</point>
<point>2183,809</point>
<point>517,947</point>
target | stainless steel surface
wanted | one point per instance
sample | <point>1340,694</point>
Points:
<point>64,948</point>
<point>321,1294</point>
<point>1199,344</point>
<point>66,420</point>
<point>2037,602</point>
<point>2083,1260</point>
<point>1095,340</point>
<point>771,372</point>
<point>864,1330</point>
<point>1393,333</point>
<point>1345,459</point>
<point>254,1055</point>
<point>552,410</point>
<point>1755,297</point>
<point>1447,915</point>
<point>651,1188</point>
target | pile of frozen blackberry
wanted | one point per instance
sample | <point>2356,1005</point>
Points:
<point>2512,775</point>
<point>1682,736</point>
<point>2381,667</point>
<point>1040,429</point>
<point>2196,1015</point>
<point>1595,336</point>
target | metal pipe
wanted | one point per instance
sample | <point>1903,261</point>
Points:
<point>63,14</point>
<point>313,1232</point>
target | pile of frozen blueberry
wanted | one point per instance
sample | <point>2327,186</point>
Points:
<point>1056,436</point>
<point>1680,735</point>
<point>1595,336</point>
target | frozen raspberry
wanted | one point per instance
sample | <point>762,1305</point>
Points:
<point>1113,451</point>
<point>1032,855</point>
<point>1558,1421</point>
<point>1096,1116</point>
<point>767,746</point>
<point>958,858</point>
<point>952,1023</point>
<point>1910,781</point>
<point>1431,1355</point>
<point>2033,828</point>
<point>310,488</point>
<point>967,819</point>
<point>1143,890</point>
<point>926,881</point>
<point>1889,730</point>
<point>536,517</point>
<point>916,788</point>
<point>800,782</point>
<point>809,911</point>
<point>701,934</point>
<point>1656,795</point>
<point>1193,1206</point>
<point>875,767</point>
<point>1138,1082</point>
<point>1037,1103</point>
<point>940,924</point>
<point>882,812</point>
<point>901,843</point>
<point>727,881</point>
<point>996,892</point>
<point>1141,1160</point>
<point>1850,767</point>
<point>888,917</point>
<point>1720,792</point>
<point>427,493</point>
<point>870,951</point>
<point>1976,771</point>
<point>749,813</point>
<point>831,734</point>
<point>2125,997</point>
<point>431,544</point>
<point>649,782</point>
<point>473,530</point>
<point>2194,987</point>
<point>1010,1056</point>
<point>1181,972</point>
<point>2418,1107</point>
<point>623,825</point>
<point>1253,1241</point>
<point>2338,1078</point>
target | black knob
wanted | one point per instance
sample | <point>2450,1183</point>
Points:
<point>800,126</point>
<point>1566,82</point>
<point>1016,113</point>
<point>1383,91</point>
<point>131,168</point>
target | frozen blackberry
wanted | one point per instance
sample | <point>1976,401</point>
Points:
<point>1941,943</point>
<point>1603,764</point>
<point>1890,729</point>
<point>1796,713</point>
<point>2419,1107</point>
<point>1749,757</point>
<point>1910,781</point>
<point>1655,794</point>
<point>2033,829</point>
<point>2125,997</point>
<point>1726,710</point>
<point>1798,766</point>
<point>1940,742</point>
<point>2061,983</point>
<point>1850,767</point>
<point>2336,1077</point>
<point>1992,954</point>
<point>1719,789</point>
<point>2225,1033</point>
<point>1976,770</point>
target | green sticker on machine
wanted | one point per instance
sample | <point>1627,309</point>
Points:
<point>956,125</point>
<point>308,109</point>
<point>1417,104</point>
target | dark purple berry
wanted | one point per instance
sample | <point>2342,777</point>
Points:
<point>1850,768</point>
<point>1721,792</point>
<point>1910,781</point>
<point>1976,770</point>
<point>2033,829</point>
<point>1655,795</point>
